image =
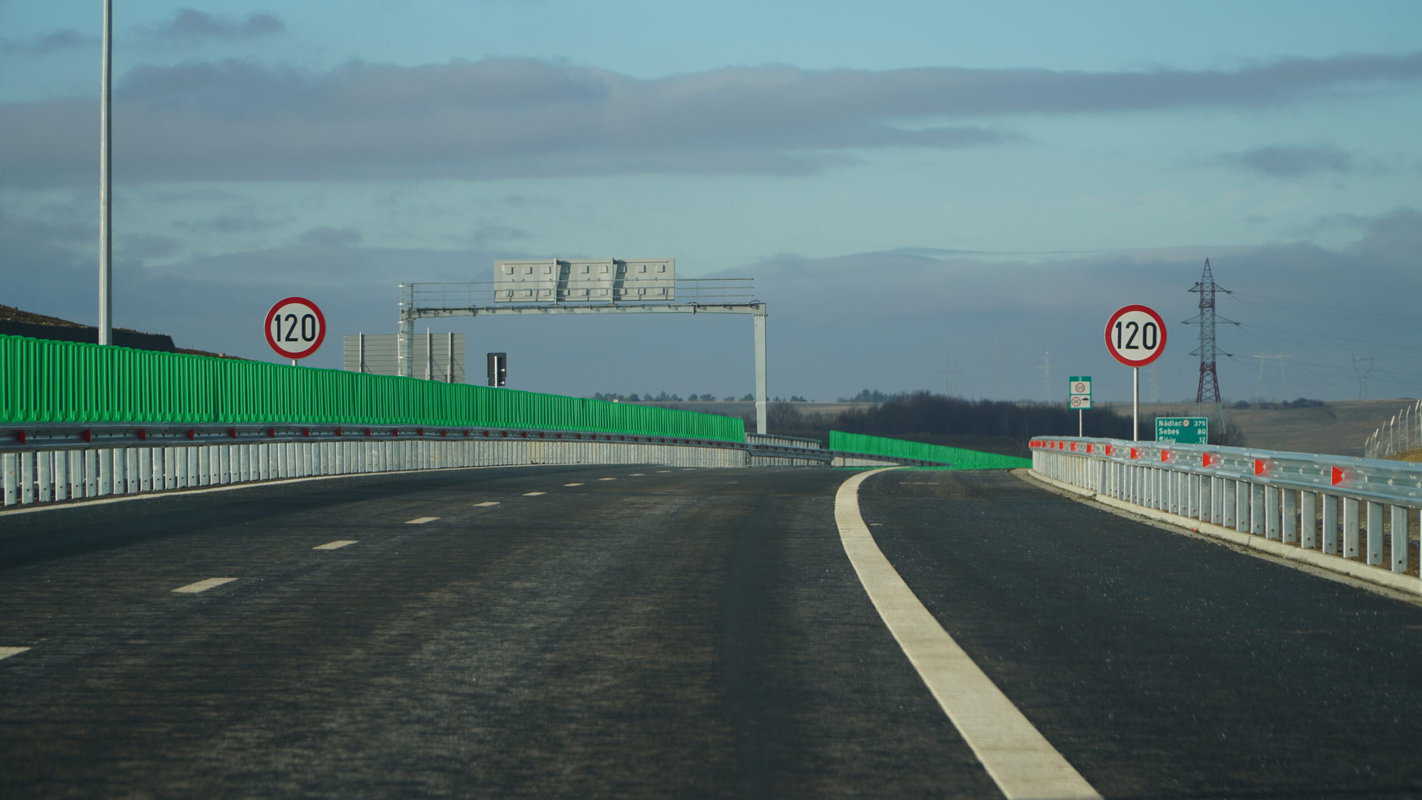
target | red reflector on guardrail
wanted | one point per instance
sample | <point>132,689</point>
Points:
<point>1135,453</point>
<point>1165,455</point>
<point>1209,459</point>
<point>1110,449</point>
<point>87,436</point>
<point>1261,466</point>
<point>1337,476</point>
<point>1090,448</point>
<point>21,437</point>
<point>1073,447</point>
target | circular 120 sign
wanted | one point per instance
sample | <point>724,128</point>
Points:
<point>1135,335</point>
<point>295,327</point>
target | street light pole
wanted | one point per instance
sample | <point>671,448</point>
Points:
<point>106,305</point>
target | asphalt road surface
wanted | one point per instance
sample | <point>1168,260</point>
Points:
<point>650,632</point>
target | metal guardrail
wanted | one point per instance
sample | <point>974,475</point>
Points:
<point>1360,509</point>
<point>45,463</point>
<point>52,463</point>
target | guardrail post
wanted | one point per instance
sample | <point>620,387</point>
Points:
<point>1375,533</point>
<point>1350,527</point>
<point>1256,508</point>
<point>1271,512</point>
<point>10,477</point>
<point>1308,519</point>
<point>1330,522</point>
<point>1241,506</point>
<point>1290,511</point>
<point>61,475</point>
<point>1400,546</point>
<point>43,473</point>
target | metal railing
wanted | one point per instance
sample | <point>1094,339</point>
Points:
<point>1355,509</point>
<point>54,463</point>
<point>1401,434</point>
<point>50,463</point>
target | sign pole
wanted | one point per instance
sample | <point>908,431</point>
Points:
<point>1135,336</point>
<point>1079,429</point>
<point>1135,404</point>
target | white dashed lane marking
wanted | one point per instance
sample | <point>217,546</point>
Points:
<point>533,494</point>
<point>336,545</point>
<point>639,475</point>
<point>572,484</point>
<point>420,520</point>
<point>487,504</point>
<point>202,586</point>
<point>607,479</point>
<point>6,652</point>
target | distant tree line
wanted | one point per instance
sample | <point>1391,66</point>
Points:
<point>692,397</point>
<point>995,425</point>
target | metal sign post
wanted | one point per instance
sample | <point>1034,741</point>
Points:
<point>1135,336</point>
<point>1079,390</point>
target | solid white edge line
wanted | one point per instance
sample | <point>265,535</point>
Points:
<point>6,652</point>
<point>202,585</point>
<point>336,545</point>
<point>420,520</point>
<point>1019,759</point>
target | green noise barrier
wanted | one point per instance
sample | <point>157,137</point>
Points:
<point>955,457</point>
<point>45,381</point>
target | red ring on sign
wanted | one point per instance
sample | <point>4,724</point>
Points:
<point>320,319</point>
<point>1121,312</point>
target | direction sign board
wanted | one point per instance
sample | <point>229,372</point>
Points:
<point>1079,389</point>
<point>1135,335</point>
<point>295,327</point>
<point>1183,430</point>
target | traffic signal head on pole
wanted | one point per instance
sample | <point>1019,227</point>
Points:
<point>498,364</point>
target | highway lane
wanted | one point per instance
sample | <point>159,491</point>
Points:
<point>1161,665</point>
<point>641,631</point>
<point>647,632</point>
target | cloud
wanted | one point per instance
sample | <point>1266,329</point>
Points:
<point>330,237</point>
<point>236,222</point>
<point>53,42</point>
<point>501,118</point>
<point>1286,162</point>
<point>189,25</point>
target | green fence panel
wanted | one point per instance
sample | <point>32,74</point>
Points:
<point>44,381</point>
<point>955,457</point>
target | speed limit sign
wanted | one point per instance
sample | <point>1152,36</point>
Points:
<point>1135,335</point>
<point>295,327</point>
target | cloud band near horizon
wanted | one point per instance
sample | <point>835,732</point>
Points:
<point>496,118</point>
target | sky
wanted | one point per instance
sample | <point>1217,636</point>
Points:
<point>927,195</point>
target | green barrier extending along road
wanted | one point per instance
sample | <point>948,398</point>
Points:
<point>955,457</point>
<point>44,381</point>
